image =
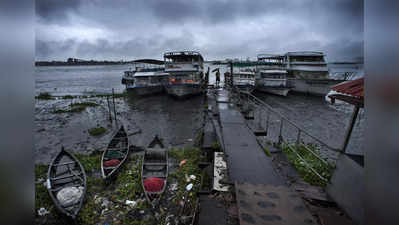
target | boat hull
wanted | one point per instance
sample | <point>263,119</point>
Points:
<point>150,90</point>
<point>246,88</point>
<point>274,90</point>
<point>183,90</point>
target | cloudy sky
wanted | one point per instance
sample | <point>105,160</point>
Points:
<point>219,29</point>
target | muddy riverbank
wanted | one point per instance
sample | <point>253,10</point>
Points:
<point>57,124</point>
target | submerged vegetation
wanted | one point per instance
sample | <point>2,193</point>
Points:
<point>77,107</point>
<point>325,170</point>
<point>96,131</point>
<point>48,96</point>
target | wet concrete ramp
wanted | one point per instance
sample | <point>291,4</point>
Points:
<point>210,213</point>
<point>269,204</point>
<point>246,159</point>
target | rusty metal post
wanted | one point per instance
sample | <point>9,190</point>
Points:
<point>267,120</point>
<point>298,138</point>
<point>280,136</point>
<point>113,101</point>
<point>350,128</point>
<point>109,109</point>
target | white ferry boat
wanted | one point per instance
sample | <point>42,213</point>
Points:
<point>185,69</point>
<point>272,81</point>
<point>306,65</point>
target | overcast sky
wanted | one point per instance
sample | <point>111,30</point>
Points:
<point>219,29</point>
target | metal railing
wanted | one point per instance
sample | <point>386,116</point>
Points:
<point>281,130</point>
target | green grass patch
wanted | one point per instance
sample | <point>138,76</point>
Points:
<point>90,162</point>
<point>77,107</point>
<point>308,175</point>
<point>216,146</point>
<point>84,104</point>
<point>42,198</point>
<point>129,181</point>
<point>116,95</point>
<point>68,97</point>
<point>193,156</point>
<point>44,96</point>
<point>96,131</point>
<point>267,151</point>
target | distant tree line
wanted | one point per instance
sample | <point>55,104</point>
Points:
<point>81,62</point>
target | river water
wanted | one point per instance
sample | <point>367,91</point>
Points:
<point>177,121</point>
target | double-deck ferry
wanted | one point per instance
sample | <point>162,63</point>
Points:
<point>244,80</point>
<point>145,81</point>
<point>185,69</point>
<point>271,76</point>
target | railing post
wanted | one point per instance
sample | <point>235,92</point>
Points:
<point>267,120</point>
<point>280,137</point>
<point>298,138</point>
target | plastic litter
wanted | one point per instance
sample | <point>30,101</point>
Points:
<point>42,211</point>
<point>70,195</point>
<point>189,187</point>
<point>173,187</point>
<point>192,177</point>
<point>131,203</point>
<point>184,161</point>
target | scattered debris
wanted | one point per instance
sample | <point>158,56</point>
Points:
<point>131,203</point>
<point>184,161</point>
<point>42,211</point>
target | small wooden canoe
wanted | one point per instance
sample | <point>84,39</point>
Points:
<point>154,172</point>
<point>66,183</point>
<point>116,153</point>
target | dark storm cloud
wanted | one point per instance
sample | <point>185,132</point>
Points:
<point>218,28</point>
<point>55,10</point>
<point>45,49</point>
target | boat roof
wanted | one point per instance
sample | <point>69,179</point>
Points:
<point>182,53</point>
<point>270,56</point>
<point>244,73</point>
<point>150,74</point>
<point>305,53</point>
<point>274,71</point>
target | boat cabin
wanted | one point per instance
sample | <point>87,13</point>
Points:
<point>270,61</point>
<point>183,61</point>
<point>273,78</point>
<point>244,78</point>
<point>150,78</point>
<point>307,65</point>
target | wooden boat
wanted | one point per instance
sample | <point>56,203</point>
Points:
<point>154,172</point>
<point>65,173</point>
<point>116,153</point>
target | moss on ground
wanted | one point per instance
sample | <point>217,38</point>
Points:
<point>67,97</point>
<point>96,131</point>
<point>90,163</point>
<point>129,181</point>
<point>85,104</point>
<point>308,175</point>
<point>44,96</point>
<point>267,151</point>
<point>42,198</point>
